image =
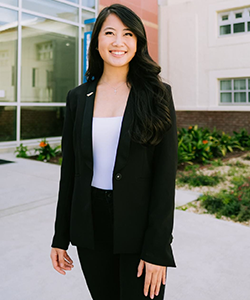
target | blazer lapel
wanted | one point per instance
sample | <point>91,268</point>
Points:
<point>124,140</point>
<point>87,124</point>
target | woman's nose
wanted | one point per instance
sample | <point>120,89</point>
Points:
<point>118,41</point>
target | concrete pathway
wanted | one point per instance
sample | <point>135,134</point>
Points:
<point>212,256</point>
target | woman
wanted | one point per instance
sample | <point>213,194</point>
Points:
<point>116,195</point>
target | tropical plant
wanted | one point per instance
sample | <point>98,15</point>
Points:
<point>46,151</point>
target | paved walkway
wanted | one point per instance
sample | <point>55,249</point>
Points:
<point>213,256</point>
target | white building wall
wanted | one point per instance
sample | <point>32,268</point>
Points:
<point>193,56</point>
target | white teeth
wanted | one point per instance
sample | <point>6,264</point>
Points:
<point>118,53</point>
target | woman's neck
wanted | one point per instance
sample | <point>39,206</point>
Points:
<point>114,76</point>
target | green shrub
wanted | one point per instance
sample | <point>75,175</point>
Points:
<point>198,179</point>
<point>243,138</point>
<point>21,151</point>
<point>233,203</point>
<point>202,145</point>
<point>194,145</point>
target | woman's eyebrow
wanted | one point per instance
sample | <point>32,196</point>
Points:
<point>108,28</point>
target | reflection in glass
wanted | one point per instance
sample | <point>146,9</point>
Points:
<point>224,18</point>
<point>74,1</point>
<point>240,27</point>
<point>240,97</point>
<point>88,3</point>
<point>225,29</point>
<point>49,59</point>
<point>7,123</point>
<point>8,54</point>
<point>225,85</point>
<point>87,15</point>
<point>240,84</point>
<point>10,2</point>
<point>53,8</point>
<point>226,97</point>
<point>41,122</point>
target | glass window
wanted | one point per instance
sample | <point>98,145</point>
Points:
<point>248,26</point>
<point>86,15</point>
<point>226,97</point>
<point>225,85</point>
<point>8,54</point>
<point>88,3</point>
<point>238,15</point>
<point>49,59</point>
<point>240,84</point>
<point>10,2</point>
<point>224,18</point>
<point>53,8</point>
<point>240,27</point>
<point>225,29</point>
<point>7,123</point>
<point>41,122</point>
<point>74,1</point>
<point>240,97</point>
<point>249,84</point>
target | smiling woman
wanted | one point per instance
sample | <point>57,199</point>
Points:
<point>116,43</point>
<point>119,144</point>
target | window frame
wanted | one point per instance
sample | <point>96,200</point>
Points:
<point>233,91</point>
<point>232,20</point>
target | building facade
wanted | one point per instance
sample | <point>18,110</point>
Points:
<point>41,58</point>
<point>204,53</point>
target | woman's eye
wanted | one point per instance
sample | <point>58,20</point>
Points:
<point>129,34</point>
<point>108,32</point>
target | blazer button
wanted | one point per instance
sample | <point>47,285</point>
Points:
<point>118,176</point>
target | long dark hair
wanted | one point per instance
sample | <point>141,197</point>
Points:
<point>151,117</point>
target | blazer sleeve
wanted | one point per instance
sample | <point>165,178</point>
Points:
<point>62,223</point>
<point>158,235</point>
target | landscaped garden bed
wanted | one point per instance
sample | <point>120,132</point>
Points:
<point>224,185</point>
<point>212,163</point>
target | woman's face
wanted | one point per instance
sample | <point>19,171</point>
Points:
<point>117,44</point>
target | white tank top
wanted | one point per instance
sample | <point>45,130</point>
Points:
<point>105,138</point>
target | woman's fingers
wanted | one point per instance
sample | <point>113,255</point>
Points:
<point>61,260</point>
<point>140,268</point>
<point>164,276</point>
<point>154,282</point>
<point>147,282</point>
<point>67,257</point>
<point>158,284</point>
<point>153,279</point>
<point>55,262</point>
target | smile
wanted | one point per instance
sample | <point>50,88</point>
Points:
<point>117,52</point>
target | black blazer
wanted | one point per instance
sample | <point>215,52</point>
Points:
<point>143,184</point>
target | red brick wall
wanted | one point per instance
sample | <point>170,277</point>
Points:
<point>147,10</point>
<point>225,121</point>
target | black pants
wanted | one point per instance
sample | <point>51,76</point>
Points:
<point>110,276</point>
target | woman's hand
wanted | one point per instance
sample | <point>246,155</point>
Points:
<point>61,260</point>
<point>155,275</point>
